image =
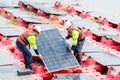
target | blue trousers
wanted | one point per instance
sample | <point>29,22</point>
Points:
<point>78,49</point>
<point>27,55</point>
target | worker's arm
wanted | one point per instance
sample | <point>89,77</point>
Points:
<point>75,35</point>
<point>32,41</point>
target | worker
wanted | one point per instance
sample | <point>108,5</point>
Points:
<point>77,39</point>
<point>28,39</point>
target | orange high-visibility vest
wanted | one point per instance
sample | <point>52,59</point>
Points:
<point>23,38</point>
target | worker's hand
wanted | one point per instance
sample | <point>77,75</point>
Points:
<point>67,37</point>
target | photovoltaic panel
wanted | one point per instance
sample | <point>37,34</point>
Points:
<point>74,77</point>
<point>4,23</point>
<point>9,73</point>
<point>94,27</point>
<point>12,3</point>
<point>106,15</point>
<point>105,59</point>
<point>55,53</point>
<point>46,9</point>
<point>6,58</point>
<point>72,18</point>
<point>84,8</point>
<point>24,15</point>
<point>10,32</point>
<point>88,47</point>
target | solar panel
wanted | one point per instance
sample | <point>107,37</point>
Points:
<point>24,15</point>
<point>9,72</point>
<point>9,32</point>
<point>110,17</point>
<point>105,59</point>
<point>46,9</point>
<point>88,47</point>
<point>4,23</point>
<point>55,53</point>
<point>6,58</point>
<point>84,8</point>
<point>12,3</point>
<point>72,18</point>
<point>74,77</point>
<point>94,27</point>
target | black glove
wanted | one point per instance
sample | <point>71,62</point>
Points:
<point>67,37</point>
<point>36,51</point>
<point>73,47</point>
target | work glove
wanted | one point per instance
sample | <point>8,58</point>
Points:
<point>67,37</point>
<point>36,51</point>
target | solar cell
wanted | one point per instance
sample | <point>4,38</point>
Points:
<point>54,51</point>
<point>74,77</point>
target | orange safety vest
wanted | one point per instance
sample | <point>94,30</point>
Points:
<point>23,38</point>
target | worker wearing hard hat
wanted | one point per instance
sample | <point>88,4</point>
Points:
<point>77,39</point>
<point>28,38</point>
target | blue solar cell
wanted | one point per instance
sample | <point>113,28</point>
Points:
<point>54,51</point>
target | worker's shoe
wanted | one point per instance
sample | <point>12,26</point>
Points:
<point>24,72</point>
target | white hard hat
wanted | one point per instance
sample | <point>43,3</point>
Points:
<point>37,28</point>
<point>67,24</point>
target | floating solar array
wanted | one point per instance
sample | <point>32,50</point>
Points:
<point>74,77</point>
<point>55,53</point>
